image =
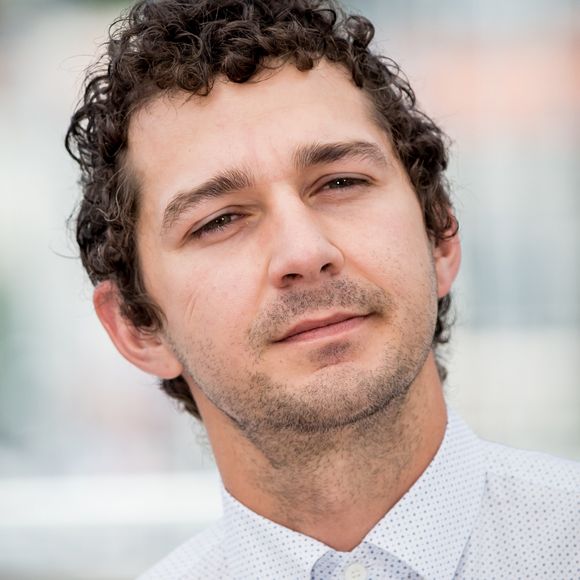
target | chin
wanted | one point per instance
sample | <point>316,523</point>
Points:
<point>335,396</point>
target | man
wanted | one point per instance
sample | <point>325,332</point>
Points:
<point>266,221</point>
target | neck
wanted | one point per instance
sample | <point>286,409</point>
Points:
<point>335,486</point>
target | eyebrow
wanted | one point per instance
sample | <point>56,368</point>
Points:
<point>320,153</point>
<point>232,180</point>
<point>227,181</point>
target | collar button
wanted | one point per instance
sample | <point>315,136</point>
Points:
<point>355,571</point>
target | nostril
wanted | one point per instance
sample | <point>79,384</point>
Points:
<point>326,267</point>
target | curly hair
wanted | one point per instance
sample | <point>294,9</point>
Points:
<point>170,45</point>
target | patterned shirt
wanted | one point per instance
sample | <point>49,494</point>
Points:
<point>479,511</point>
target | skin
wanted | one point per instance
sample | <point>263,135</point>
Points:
<point>323,432</point>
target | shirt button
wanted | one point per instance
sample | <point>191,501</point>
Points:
<point>355,571</point>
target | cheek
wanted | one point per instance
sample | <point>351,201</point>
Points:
<point>394,242</point>
<point>209,302</point>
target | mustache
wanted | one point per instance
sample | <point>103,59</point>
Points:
<point>335,294</point>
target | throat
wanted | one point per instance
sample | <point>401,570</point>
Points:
<point>337,484</point>
<point>344,480</point>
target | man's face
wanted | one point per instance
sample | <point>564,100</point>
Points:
<point>282,240</point>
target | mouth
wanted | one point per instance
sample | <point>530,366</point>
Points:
<point>323,328</point>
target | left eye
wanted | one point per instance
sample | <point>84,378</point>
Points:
<point>343,182</point>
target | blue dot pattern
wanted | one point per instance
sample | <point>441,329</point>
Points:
<point>479,511</point>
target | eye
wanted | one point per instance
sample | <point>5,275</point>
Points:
<point>217,224</point>
<point>344,182</point>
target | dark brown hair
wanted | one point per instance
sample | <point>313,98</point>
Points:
<point>167,45</point>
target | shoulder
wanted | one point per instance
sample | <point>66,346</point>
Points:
<point>548,475</point>
<point>531,498</point>
<point>200,557</point>
<point>529,522</point>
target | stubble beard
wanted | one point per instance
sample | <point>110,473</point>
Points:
<point>284,420</point>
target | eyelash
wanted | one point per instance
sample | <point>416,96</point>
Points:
<point>214,226</point>
<point>350,181</point>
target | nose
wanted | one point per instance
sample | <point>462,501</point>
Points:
<point>302,251</point>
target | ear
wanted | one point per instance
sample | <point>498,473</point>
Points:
<point>447,257</point>
<point>145,350</point>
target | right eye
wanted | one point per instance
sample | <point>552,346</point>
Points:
<point>217,224</point>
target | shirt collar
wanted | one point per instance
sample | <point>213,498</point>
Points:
<point>452,484</point>
<point>450,489</point>
<point>253,543</point>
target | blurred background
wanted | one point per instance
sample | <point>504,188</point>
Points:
<point>100,475</point>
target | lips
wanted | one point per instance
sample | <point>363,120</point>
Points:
<point>307,325</point>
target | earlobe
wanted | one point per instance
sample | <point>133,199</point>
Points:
<point>447,257</point>
<point>147,351</point>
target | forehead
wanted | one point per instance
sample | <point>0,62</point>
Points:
<point>177,138</point>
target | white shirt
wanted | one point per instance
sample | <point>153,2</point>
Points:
<point>479,511</point>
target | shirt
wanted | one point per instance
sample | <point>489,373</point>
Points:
<point>479,511</point>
